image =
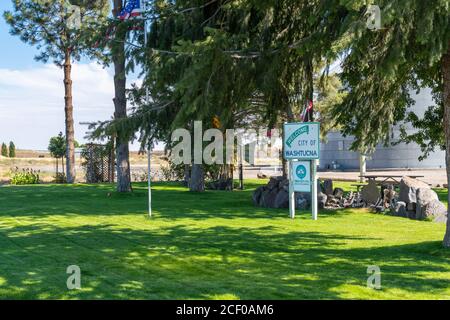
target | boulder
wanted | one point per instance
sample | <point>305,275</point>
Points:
<point>424,196</point>
<point>408,189</point>
<point>411,207</point>
<point>370,193</point>
<point>284,184</point>
<point>441,219</point>
<point>257,195</point>
<point>328,187</point>
<point>379,209</point>
<point>301,203</point>
<point>273,183</point>
<point>320,187</point>
<point>282,199</point>
<point>321,200</point>
<point>268,198</point>
<point>338,193</point>
<point>400,209</point>
<point>433,210</point>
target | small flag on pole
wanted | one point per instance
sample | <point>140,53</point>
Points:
<point>307,115</point>
<point>131,9</point>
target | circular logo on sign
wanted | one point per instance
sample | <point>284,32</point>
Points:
<point>301,172</point>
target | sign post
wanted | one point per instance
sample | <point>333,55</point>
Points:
<point>302,149</point>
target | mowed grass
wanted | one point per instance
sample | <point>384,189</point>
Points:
<point>214,245</point>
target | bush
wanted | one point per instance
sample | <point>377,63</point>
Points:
<point>60,178</point>
<point>12,150</point>
<point>24,176</point>
<point>4,150</point>
<point>172,172</point>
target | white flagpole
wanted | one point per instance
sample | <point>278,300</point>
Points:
<point>149,150</point>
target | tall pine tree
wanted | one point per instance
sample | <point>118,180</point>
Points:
<point>48,25</point>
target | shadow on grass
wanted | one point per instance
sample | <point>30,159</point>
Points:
<point>190,261</point>
<point>45,200</point>
<point>181,262</point>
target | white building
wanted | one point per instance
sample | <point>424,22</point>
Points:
<point>335,153</point>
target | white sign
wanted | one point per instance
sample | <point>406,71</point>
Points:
<point>301,176</point>
<point>301,141</point>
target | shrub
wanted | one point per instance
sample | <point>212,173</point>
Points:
<point>4,150</point>
<point>60,178</point>
<point>12,150</point>
<point>24,176</point>
<point>172,172</point>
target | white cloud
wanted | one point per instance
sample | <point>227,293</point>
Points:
<point>32,102</point>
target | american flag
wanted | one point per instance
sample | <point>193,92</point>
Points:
<point>131,9</point>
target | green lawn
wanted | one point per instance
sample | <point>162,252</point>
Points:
<point>214,245</point>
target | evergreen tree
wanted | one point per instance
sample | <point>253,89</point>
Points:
<point>411,51</point>
<point>120,101</point>
<point>12,150</point>
<point>48,25</point>
<point>4,150</point>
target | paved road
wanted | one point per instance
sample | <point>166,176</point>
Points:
<point>435,177</point>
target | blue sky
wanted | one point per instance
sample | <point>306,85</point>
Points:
<point>32,93</point>
<point>14,53</point>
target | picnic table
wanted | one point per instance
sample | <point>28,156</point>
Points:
<point>388,178</point>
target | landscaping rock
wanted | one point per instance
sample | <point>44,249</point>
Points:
<point>268,198</point>
<point>257,195</point>
<point>408,189</point>
<point>400,210</point>
<point>273,183</point>
<point>301,203</point>
<point>441,219</point>
<point>320,187</point>
<point>282,199</point>
<point>338,193</point>
<point>284,184</point>
<point>411,207</point>
<point>328,187</point>
<point>424,196</point>
<point>379,209</point>
<point>370,193</point>
<point>435,209</point>
<point>321,200</point>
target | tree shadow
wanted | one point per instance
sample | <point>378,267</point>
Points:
<point>180,259</point>
<point>186,262</point>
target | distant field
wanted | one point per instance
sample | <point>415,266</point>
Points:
<point>41,160</point>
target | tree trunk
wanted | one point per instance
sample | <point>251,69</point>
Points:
<point>446,95</point>
<point>187,174</point>
<point>120,106</point>
<point>197,181</point>
<point>70,131</point>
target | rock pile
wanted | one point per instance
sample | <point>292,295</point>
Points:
<point>418,201</point>
<point>276,195</point>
